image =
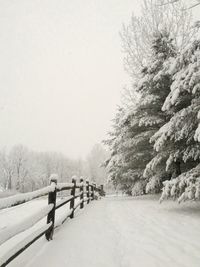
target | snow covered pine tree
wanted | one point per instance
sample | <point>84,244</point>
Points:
<point>130,147</point>
<point>154,88</point>
<point>181,135</point>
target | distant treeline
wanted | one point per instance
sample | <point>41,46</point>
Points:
<point>22,169</point>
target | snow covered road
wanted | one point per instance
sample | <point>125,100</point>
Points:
<point>123,232</point>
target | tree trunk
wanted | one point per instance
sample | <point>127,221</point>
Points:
<point>9,183</point>
<point>177,171</point>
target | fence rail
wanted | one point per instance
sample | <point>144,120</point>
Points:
<point>87,192</point>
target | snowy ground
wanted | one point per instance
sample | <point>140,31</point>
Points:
<point>122,232</point>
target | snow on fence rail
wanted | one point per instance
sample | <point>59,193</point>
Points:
<point>13,230</point>
<point>25,197</point>
<point>87,192</point>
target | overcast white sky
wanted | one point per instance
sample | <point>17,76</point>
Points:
<point>61,71</point>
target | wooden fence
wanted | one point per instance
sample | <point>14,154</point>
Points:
<point>86,193</point>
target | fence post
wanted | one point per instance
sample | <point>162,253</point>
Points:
<point>101,190</point>
<point>95,189</point>
<point>88,191</point>
<point>82,194</point>
<point>73,192</point>
<point>51,215</point>
<point>93,192</point>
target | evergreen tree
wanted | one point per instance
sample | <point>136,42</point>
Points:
<point>131,150</point>
<point>179,137</point>
<point>154,88</point>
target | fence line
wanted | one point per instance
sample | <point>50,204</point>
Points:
<point>87,192</point>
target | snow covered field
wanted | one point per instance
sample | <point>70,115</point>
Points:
<point>119,232</point>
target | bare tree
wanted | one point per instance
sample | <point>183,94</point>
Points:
<point>18,158</point>
<point>6,171</point>
<point>192,5</point>
<point>95,160</point>
<point>137,36</point>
